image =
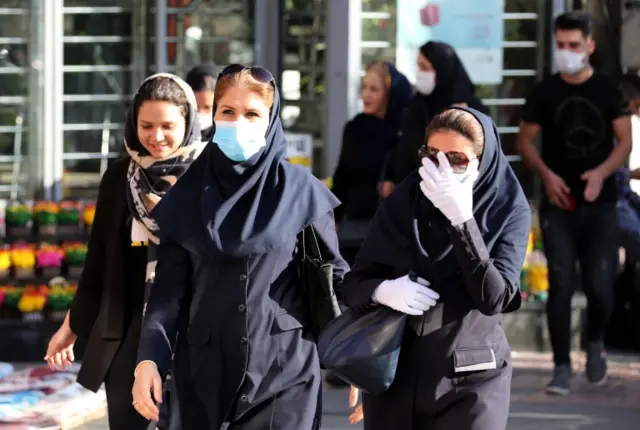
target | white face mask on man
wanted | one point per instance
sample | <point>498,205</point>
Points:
<point>570,62</point>
<point>425,82</point>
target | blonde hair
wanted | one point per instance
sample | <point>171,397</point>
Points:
<point>381,68</point>
<point>265,91</point>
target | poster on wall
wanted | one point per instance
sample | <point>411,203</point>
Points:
<point>475,28</point>
<point>299,149</point>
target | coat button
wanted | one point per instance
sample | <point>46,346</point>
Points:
<point>244,398</point>
<point>243,277</point>
<point>242,308</point>
<point>244,340</point>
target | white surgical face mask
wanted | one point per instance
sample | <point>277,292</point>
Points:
<point>570,62</point>
<point>425,82</point>
<point>205,120</point>
<point>472,168</point>
<point>239,141</point>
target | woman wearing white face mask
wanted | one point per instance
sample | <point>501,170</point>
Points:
<point>441,82</point>
<point>227,274</point>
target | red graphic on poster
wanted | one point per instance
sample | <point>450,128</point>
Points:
<point>430,15</point>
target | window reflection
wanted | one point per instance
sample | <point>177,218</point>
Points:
<point>215,30</point>
<point>98,52</point>
<point>303,82</point>
<point>14,34</point>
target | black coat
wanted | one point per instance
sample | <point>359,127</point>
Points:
<point>99,310</point>
<point>247,358</point>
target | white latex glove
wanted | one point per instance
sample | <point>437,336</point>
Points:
<point>406,296</point>
<point>445,189</point>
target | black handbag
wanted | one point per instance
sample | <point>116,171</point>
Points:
<point>317,278</point>
<point>362,347</point>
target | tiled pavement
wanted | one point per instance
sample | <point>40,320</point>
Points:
<point>615,406</point>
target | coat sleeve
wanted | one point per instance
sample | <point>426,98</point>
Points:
<point>405,157</point>
<point>328,241</point>
<point>361,282</point>
<point>341,177</point>
<point>168,299</point>
<point>85,306</point>
<point>492,279</point>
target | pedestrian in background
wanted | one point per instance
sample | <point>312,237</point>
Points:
<point>365,174</point>
<point>441,82</point>
<point>162,138</point>
<point>585,124</point>
<point>202,80</point>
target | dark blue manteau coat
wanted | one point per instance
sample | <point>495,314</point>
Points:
<point>244,358</point>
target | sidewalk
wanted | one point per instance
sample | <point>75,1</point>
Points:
<point>615,406</point>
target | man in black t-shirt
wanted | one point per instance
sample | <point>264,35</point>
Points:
<point>580,114</point>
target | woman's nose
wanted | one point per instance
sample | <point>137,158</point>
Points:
<point>159,135</point>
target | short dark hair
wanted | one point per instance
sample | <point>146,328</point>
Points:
<point>200,80</point>
<point>631,85</point>
<point>461,122</point>
<point>576,20</point>
<point>162,88</point>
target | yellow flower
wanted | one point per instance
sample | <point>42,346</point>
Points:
<point>89,214</point>
<point>23,258</point>
<point>5,260</point>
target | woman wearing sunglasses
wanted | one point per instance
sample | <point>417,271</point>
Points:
<point>446,248</point>
<point>227,274</point>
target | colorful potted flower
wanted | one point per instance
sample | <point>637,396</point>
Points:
<point>46,214</point>
<point>88,213</point>
<point>11,295</point>
<point>5,263</point>
<point>49,259</point>
<point>18,220</point>
<point>23,260</point>
<point>32,302</point>
<point>75,254</point>
<point>59,299</point>
<point>68,218</point>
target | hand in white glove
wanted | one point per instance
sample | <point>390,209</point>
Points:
<point>406,296</point>
<point>445,189</point>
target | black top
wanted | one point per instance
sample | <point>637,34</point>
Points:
<point>453,86</point>
<point>577,130</point>
<point>135,264</point>
<point>365,160</point>
<point>99,309</point>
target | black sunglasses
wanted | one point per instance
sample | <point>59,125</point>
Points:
<point>258,73</point>
<point>458,160</point>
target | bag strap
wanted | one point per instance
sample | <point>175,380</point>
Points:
<point>314,246</point>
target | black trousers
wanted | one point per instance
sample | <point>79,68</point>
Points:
<point>589,234</point>
<point>119,381</point>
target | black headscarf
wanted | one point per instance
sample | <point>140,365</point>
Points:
<point>400,94</point>
<point>196,75</point>
<point>398,235</point>
<point>251,207</point>
<point>453,84</point>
